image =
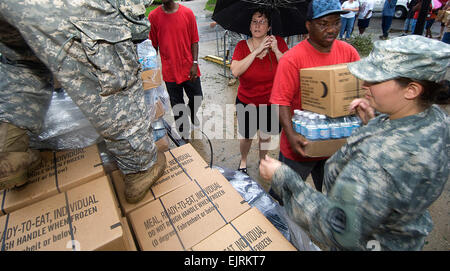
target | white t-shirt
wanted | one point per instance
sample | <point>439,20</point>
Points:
<point>348,5</point>
<point>365,7</point>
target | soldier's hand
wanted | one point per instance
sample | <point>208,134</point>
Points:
<point>362,108</point>
<point>267,167</point>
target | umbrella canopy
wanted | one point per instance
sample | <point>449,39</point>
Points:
<point>288,16</point>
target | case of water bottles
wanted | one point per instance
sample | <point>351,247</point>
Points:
<point>151,73</point>
<point>325,135</point>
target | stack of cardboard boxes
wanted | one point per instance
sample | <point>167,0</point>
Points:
<point>328,90</point>
<point>68,204</point>
<point>71,204</point>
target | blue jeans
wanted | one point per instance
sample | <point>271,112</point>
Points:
<point>346,26</point>
<point>386,22</point>
<point>408,24</point>
<point>446,37</point>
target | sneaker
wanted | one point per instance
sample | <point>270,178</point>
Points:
<point>138,184</point>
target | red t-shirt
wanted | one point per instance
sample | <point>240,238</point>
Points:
<point>255,84</point>
<point>286,86</point>
<point>174,35</point>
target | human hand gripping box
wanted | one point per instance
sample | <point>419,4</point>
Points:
<point>58,172</point>
<point>329,90</point>
<point>187,215</point>
<point>192,165</point>
<point>83,218</point>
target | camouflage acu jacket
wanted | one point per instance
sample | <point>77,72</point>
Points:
<point>378,186</point>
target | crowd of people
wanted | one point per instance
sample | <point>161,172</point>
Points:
<point>378,186</point>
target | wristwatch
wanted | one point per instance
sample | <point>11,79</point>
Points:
<point>195,62</point>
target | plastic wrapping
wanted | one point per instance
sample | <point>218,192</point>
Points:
<point>147,55</point>
<point>159,130</point>
<point>65,126</point>
<point>255,195</point>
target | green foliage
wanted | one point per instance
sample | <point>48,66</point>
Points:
<point>363,44</point>
<point>210,5</point>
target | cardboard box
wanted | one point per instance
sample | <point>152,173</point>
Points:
<point>329,90</point>
<point>250,231</point>
<point>323,148</point>
<point>83,218</point>
<point>174,176</point>
<point>130,245</point>
<point>73,168</point>
<point>159,109</point>
<point>151,78</point>
<point>193,216</point>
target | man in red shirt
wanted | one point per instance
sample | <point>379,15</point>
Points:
<point>174,34</point>
<point>320,49</point>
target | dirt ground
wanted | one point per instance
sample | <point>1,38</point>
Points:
<point>218,96</point>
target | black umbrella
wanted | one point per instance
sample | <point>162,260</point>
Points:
<point>288,16</point>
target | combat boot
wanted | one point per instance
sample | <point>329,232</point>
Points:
<point>16,159</point>
<point>138,184</point>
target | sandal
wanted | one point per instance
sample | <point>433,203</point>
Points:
<point>243,170</point>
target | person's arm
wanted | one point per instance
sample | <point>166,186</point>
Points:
<point>194,68</point>
<point>238,67</point>
<point>357,203</point>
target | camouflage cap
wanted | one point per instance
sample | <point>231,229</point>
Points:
<point>413,56</point>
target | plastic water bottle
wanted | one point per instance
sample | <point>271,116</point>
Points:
<point>312,130</point>
<point>335,129</point>
<point>356,123</point>
<point>158,129</point>
<point>304,121</point>
<point>324,128</point>
<point>147,55</point>
<point>298,116</point>
<point>347,126</point>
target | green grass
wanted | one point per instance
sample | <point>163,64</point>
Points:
<point>150,8</point>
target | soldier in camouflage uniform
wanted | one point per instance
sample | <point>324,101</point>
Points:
<point>380,184</point>
<point>89,47</point>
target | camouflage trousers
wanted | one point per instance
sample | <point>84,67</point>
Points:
<point>87,46</point>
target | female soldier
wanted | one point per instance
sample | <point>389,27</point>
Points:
<point>380,184</point>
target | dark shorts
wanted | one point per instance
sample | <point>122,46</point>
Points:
<point>429,23</point>
<point>363,23</point>
<point>252,118</point>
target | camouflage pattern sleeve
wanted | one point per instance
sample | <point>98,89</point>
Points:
<point>345,218</point>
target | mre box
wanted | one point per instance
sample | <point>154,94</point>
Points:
<point>58,172</point>
<point>187,215</point>
<point>82,218</point>
<point>250,231</point>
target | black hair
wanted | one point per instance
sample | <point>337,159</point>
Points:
<point>263,11</point>
<point>433,92</point>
